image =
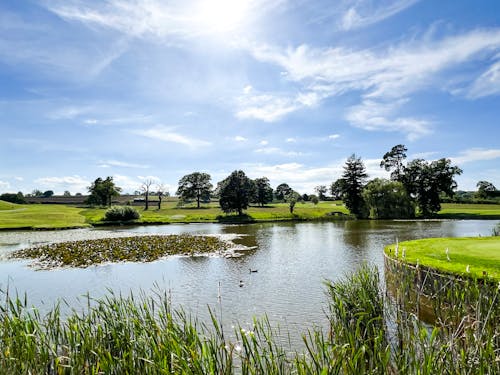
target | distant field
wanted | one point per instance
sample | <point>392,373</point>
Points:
<point>66,216</point>
<point>470,211</point>
<point>37,216</point>
<point>480,254</point>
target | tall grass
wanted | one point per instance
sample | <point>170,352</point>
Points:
<point>370,332</point>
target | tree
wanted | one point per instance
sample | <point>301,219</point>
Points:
<point>426,181</point>
<point>337,189</point>
<point>235,192</point>
<point>47,194</point>
<point>263,191</point>
<point>321,190</point>
<point>305,197</point>
<point>13,198</point>
<point>102,191</point>
<point>162,192</point>
<point>394,161</point>
<point>354,177</point>
<point>36,193</point>
<point>388,200</point>
<point>66,193</point>
<point>485,189</point>
<point>145,187</point>
<point>292,198</point>
<point>195,186</point>
<point>281,191</point>
<point>314,199</point>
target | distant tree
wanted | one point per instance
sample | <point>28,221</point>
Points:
<point>66,193</point>
<point>292,198</point>
<point>305,197</point>
<point>195,186</point>
<point>314,199</point>
<point>337,189</point>
<point>281,191</point>
<point>48,193</point>
<point>263,191</point>
<point>427,181</point>
<point>354,177</point>
<point>162,192</point>
<point>321,190</point>
<point>78,194</point>
<point>235,192</point>
<point>388,200</point>
<point>102,191</point>
<point>485,189</point>
<point>36,193</point>
<point>394,161</point>
<point>13,198</point>
<point>145,190</point>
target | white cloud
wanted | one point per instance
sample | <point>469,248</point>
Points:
<point>365,14</point>
<point>4,185</point>
<point>239,138</point>
<point>73,183</point>
<point>334,136</point>
<point>247,89</point>
<point>385,75</point>
<point>263,142</point>
<point>68,112</point>
<point>277,151</point>
<point>486,84</point>
<point>122,164</point>
<point>291,140</point>
<point>377,116</point>
<point>476,154</point>
<point>166,134</point>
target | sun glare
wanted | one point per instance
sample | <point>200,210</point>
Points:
<point>218,16</point>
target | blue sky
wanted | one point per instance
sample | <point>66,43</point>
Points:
<point>286,89</point>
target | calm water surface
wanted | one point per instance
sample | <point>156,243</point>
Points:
<point>292,259</point>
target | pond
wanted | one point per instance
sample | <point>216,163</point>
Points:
<point>291,259</point>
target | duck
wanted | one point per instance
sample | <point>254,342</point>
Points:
<point>253,271</point>
<point>241,283</point>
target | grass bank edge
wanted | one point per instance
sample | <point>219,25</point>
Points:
<point>467,257</point>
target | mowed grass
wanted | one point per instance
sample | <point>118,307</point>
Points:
<point>469,211</point>
<point>211,212</point>
<point>468,257</point>
<point>38,216</point>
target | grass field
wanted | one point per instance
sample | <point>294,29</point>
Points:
<point>47,216</point>
<point>35,216</point>
<point>467,256</point>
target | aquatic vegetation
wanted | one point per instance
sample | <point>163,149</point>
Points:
<point>85,253</point>
<point>369,333</point>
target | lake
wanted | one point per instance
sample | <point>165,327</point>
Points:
<point>292,261</point>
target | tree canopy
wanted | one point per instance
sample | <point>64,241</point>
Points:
<point>102,191</point>
<point>388,200</point>
<point>281,191</point>
<point>263,191</point>
<point>394,161</point>
<point>354,177</point>
<point>195,186</point>
<point>235,192</point>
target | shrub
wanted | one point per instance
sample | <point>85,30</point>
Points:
<point>120,213</point>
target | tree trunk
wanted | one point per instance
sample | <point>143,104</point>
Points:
<point>159,202</point>
<point>198,201</point>
<point>147,201</point>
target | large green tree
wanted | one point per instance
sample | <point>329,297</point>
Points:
<point>292,198</point>
<point>485,189</point>
<point>263,191</point>
<point>394,161</point>
<point>321,190</point>
<point>354,177</point>
<point>102,191</point>
<point>235,192</point>
<point>195,186</point>
<point>426,181</point>
<point>281,191</point>
<point>388,200</point>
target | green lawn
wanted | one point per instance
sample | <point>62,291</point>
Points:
<point>479,253</point>
<point>38,216</point>
<point>469,211</point>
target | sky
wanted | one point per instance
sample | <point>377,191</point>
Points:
<point>287,89</point>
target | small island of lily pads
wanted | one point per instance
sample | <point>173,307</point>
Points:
<point>149,248</point>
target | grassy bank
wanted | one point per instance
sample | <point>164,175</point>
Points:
<point>35,216</point>
<point>469,211</point>
<point>143,334</point>
<point>468,257</point>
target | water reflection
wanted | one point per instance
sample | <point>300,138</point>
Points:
<point>292,260</point>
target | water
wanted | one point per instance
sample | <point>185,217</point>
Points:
<point>292,259</point>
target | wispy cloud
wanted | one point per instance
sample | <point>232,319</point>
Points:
<point>277,151</point>
<point>73,183</point>
<point>476,154</point>
<point>167,134</point>
<point>121,164</point>
<point>487,83</point>
<point>380,76</point>
<point>239,138</point>
<point>365,13</point>
<point>68,112</point>
<point>4,185</point>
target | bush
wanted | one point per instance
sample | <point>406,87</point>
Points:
<point>13,198</point>
<point>119,213</point>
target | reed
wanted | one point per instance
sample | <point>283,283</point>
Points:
<point>370,332</point>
